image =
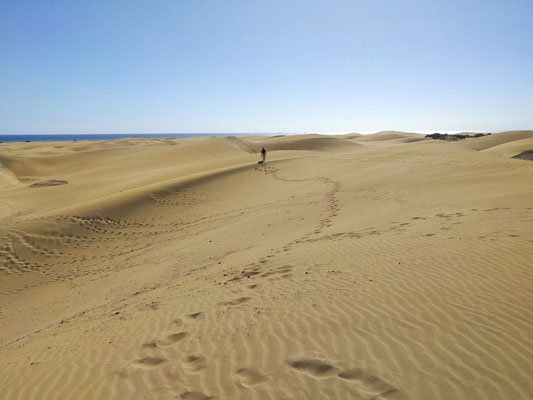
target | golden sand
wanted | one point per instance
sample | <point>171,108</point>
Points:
<point>348,267</point>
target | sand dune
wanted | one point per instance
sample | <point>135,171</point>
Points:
<point>392,135</point>
<point>487,142</point>
<point>311,143</point>
<point>385,266</point>
<point>6,178</point>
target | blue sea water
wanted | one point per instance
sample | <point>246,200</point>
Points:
<point>105,136</point>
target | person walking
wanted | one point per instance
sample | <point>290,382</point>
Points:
<point>263,154</point>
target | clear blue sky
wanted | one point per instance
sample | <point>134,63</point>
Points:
<point>265,66</point>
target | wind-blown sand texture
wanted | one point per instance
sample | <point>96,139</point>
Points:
<point>350,267</point>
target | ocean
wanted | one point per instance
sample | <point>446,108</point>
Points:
<point>110,136</point>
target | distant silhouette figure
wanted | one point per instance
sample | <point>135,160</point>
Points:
<point>263,154</point>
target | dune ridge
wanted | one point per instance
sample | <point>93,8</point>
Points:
<point>387,266</point>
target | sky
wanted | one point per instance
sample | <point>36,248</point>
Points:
<point>291,66</point>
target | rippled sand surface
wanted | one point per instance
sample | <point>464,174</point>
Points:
<point>348,267</point>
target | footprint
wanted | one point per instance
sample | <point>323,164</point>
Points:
<point>194,363</point>
<point>172,339</point>
<point>314,368</point>
<point>149,362</point>
<point>194,396</point>
<point>352,374</point>
<point>250,377</point>
<point>195,315</point>
<point>235,302</point>
<point>368,384</point>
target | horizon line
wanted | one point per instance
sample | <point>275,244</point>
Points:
<point>366,132</point>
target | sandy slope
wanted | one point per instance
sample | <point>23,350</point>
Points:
<point>346,268</point>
